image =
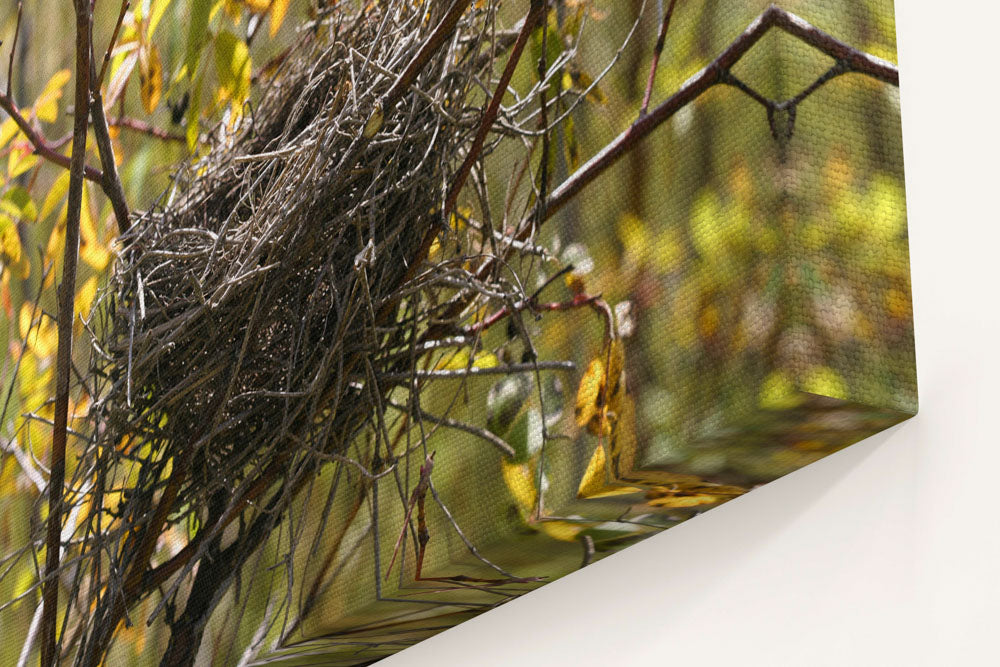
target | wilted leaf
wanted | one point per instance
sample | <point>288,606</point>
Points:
<point>601,389</point>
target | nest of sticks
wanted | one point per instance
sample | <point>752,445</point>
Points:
<point>249,318</point>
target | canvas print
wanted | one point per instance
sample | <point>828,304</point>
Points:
<point>331,324</point>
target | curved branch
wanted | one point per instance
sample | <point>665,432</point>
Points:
<point>43,147</point>
<point>849,58</point>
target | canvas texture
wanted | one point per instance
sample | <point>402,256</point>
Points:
<point>386,348</point>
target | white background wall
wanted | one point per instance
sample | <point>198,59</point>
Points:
<point>887,553</point>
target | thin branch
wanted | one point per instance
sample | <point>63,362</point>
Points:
<point>448,422</point>
<point>503,369</point>
<point>142,127</point>
<point>579,301</point>
<point>429,48</point>
<point>67,289</point>
<point>660,41</point>
<point>714,73</point>
<point>111,45</point>
<point>535,14</point>
<point>13,49</point>
<point>42,146</point>
<point>110,183</point>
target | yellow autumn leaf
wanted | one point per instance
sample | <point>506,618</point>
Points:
<point>20,159</point>
<point>47,105</point>
<point>40,332</point>
<point>8,130</point>
<point>10,241</point>
<point>597,398</point>
<point>92,250</point>
<point>459,361</point>
<point>55,195</point>
<point>278,10</point>
<point>85,297</point>
<point>595,484</point>
<point>150,77</point>
<point>232,64</point>
<point>520,479</point>
<point>667,497</point>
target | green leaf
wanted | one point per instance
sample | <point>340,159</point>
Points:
<point>18,201</point>
<point>232,63</point>
<point>197,32</point>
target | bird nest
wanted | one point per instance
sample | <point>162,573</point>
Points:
<point>250,317</point>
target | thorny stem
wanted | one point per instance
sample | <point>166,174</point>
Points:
<point>67,290</point>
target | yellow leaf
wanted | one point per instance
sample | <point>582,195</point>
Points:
<point>156,11</point>
<point>19,160</point>
<point>600,392</point>
<point>8,130</point>
<point>278,10</point>
<point>778,392</point>
<point>46,106</point>
<point>150,77</point>
<point>665,497</point>
<point>55,195</point>
<point>10,241</point>
<point>521,481</point>
<point>41,333</point>
<point>587,395</point>
<point>595,484</point>
<point>85,297</point>
<point>92,251</point>
<point>232,64</point>
<point>824,381</point>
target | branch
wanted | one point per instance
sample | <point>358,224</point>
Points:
<point>430,47</point>
<point>136,125</point>
<point>67,288</point>
<point>716,72</point>
<point>110,182</point>
<point>13,49</point>
<point>43,147</point>
<point>661,40</point>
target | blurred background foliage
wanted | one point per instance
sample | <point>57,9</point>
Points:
<point>753,269</point>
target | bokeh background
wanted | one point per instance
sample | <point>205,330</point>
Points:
<point>755,270</point>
